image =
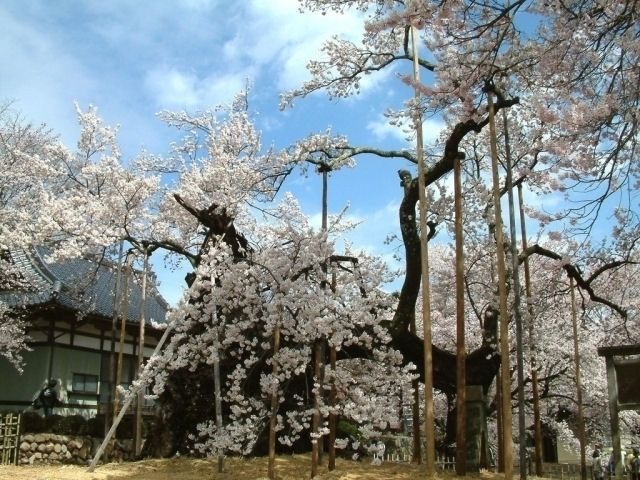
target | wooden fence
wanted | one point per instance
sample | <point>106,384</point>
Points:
<point>442,463</point>
<point>9,438</point>
<point>564,471</point>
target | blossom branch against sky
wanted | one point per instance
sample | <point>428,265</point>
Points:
<point>132,60</point>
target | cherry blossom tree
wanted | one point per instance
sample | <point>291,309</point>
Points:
<point>259,267</point>
<point>77,203</point>
<point>566,78</point>
<point>23,168</point>
<point>567,74</point>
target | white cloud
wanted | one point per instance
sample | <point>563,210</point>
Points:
<point>171,88</point>
<point>40,75</point>
<point>276,37</point>
<point>382,130</point>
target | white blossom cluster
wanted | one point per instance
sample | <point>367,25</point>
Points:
<point>285,284</point>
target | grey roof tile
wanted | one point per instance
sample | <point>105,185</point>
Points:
<point>82,285</point>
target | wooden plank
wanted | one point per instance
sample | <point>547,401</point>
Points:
<point>613,415</point>
<point>619,350</point>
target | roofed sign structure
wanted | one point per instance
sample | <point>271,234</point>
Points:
<point>623,384</point>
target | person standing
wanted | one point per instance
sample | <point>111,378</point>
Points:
<point>635,465</point>
<point>611,466</point>
<point>597,467</point>
<point>49,398</point>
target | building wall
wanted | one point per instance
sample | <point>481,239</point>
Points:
<point>77,351</point>
<point>67,362</point>
<point>17,391</point>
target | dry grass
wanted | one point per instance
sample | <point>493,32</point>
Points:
<point>295,467</point>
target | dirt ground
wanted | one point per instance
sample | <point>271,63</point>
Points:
<point>295,467</point>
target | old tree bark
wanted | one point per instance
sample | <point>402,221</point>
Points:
<point>187,400</point>
<point>483,363</point>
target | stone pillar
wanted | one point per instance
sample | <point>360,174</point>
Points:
<point>476,446</point>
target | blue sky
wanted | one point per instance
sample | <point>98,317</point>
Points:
<point>132,59</point>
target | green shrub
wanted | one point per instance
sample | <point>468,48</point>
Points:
<point>348,429</point>
<point>71,425</point>
<point>52,423</point>
<point>95,426</point>
<point>32,422</point>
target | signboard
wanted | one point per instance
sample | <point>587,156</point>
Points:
<point>628,380</point>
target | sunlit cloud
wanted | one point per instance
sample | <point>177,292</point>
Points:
<point>382,130</point>
<point>171,88</point>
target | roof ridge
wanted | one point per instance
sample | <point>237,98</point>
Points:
<point>41,266</point>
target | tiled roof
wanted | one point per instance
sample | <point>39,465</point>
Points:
<point>82,285</point>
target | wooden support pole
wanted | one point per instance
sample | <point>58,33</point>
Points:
<point>217,389</point>
<point>461,353</point>
<point>515,280</point>
<point>315,438</point>
<point>274,406</point>
<point>124,313</point>
<point>112,348</point>
<point>429,428</point>
<point>128,402</point>
<point>333,417</point>
<point>143,306</point>
<point>537,423</point>
<point>502,293</point>
<point>416,456</point>
<point>500,432</point>
<point>576,355</point>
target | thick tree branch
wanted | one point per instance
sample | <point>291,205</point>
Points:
<point>573,272</point>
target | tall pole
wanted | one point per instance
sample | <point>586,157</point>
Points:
<point>507,441</point>
<point>217,381</point>
<point>498,396</point>
<point>318,350</point>
<point>576,354</point>
<point>112,349</point>
<point>416,456</point>
<point>461,354</point>
<point>537,423</point>
<point>143,306</point>
<point>124,306</point>
<point>274,403</point>
<point>118,418</point>
<point>515,278</point>
<point>429,429</point>
<point>333,417</point>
